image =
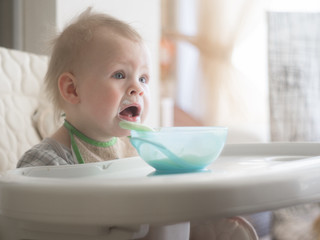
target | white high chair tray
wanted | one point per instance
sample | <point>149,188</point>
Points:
<point>246,178</point>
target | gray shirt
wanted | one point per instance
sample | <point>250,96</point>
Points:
<point>47,152</point>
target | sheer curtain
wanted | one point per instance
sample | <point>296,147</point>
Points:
<point>220,26</point>
<point>221,94</point>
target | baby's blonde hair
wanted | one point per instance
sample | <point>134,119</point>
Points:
<point>67,48</point>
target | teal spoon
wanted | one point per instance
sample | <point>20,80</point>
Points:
<point>136,126</point>
<point>142,127</point>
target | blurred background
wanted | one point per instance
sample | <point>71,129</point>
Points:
<point>250,65</point>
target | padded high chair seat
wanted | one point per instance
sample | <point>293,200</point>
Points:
<point>21,76</point>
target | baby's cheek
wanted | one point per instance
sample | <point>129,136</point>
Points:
<point>108,107</point>
<point>113,100</point>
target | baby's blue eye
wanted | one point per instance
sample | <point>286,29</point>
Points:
<point>118,75</point>
<point>143,80</point>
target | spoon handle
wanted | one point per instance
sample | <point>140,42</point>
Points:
<point>135,126</point>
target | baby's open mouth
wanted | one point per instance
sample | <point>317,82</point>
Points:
<point>131,113</point>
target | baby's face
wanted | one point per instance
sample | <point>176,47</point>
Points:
<point>113,85</point>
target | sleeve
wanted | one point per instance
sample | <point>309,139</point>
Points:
<point>44,154</point>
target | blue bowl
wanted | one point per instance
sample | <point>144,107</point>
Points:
<point>180,149</point>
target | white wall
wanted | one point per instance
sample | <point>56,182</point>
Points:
<point>41,16</point>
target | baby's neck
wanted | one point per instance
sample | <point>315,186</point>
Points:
<point>62,136</point>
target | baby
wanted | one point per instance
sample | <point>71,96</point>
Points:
<point>98,75</point>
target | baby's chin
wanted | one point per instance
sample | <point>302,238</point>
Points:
<point>122,133</point>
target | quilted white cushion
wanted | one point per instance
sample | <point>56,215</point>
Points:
<point>21,76</point>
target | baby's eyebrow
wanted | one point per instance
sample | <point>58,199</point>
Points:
<point>112,64</point>
<point>146,68</point>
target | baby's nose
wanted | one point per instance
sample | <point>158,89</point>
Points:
<point>135,89</point>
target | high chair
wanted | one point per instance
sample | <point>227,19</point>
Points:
<point>119,198</point>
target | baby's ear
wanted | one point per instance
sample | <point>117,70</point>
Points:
<point>67,87</point>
